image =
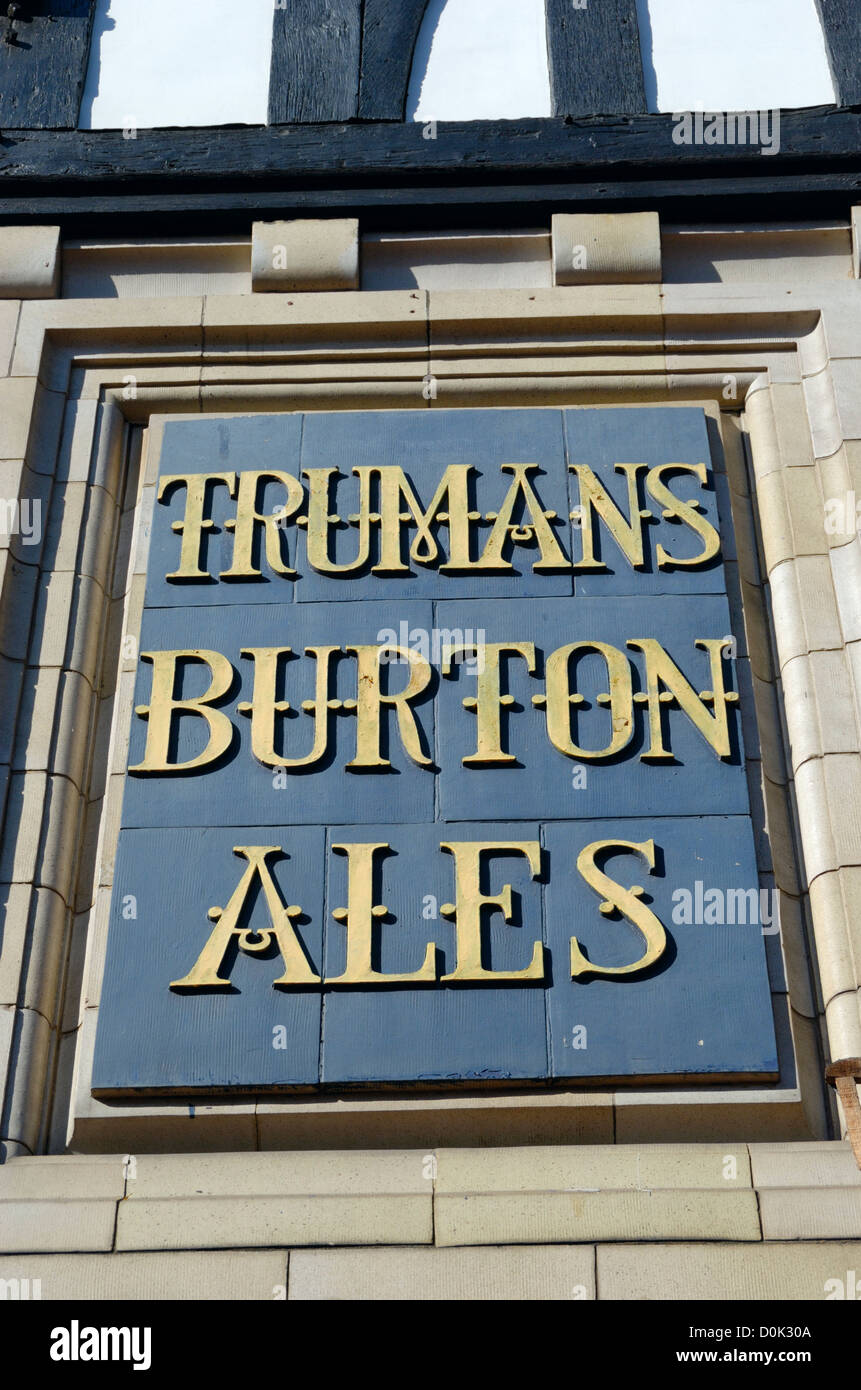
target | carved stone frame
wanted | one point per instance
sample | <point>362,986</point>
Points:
<point>96,366</point>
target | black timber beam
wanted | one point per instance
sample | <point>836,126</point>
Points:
<point>531,148</point>
<point>474,173</point>
<point>389,36</point>
<point>595,63</point>
<point>314,74</point>
<point>44,53</point>
<point>425,207</point>
<point>841,20</point>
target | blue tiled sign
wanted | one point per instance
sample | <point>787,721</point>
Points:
<point>436,768</point>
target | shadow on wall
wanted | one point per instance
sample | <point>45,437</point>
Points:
<point>422,53</point>
<point>102,24</point>
<point>647,52</point>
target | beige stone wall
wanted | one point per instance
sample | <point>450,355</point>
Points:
<point>716,1222</point>
<point>762,327</point>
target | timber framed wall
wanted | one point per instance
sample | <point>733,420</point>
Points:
<point>337,138</point>
<point>351,59</point>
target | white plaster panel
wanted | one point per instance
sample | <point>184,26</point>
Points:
<point>480,60</point>
<point>739,55</point>
<point>178,63</point>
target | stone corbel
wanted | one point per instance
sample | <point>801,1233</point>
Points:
<point>606,248</point>
<point>305,254</point>
<point>29,262</point>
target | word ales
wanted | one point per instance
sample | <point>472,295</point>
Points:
<point>362,917</point>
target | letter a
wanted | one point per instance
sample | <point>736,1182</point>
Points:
<point>297,968</point>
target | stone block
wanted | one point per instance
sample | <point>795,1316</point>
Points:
<point>791,514</point>
<point>76,441</point>
<point>573,1217</point>
<point>835,900</point>
<point>818,1165</point>
<point>714,1116</point>
<point>825,431</point>
<point>305,254</point>
<point>235,1276</point>
<point>33,942</point>
<point>63,1178</point>
<point>29,262</point>
<point>773,1272</point>
<point>19,851</point>
<point>12,684</point>
<point>820,706</point>
<point>27,1072</point>
<point>590,1168</point>
<point>846,569</point>
<point>846,378</point>
<point>556,1273</point>
<point>48,1227</point>
<point>803,1213</point>
<point>277,1199</point>
<point>606,248</point>
<point>17,399</point>
<point>805,607</point>
<point>248,1220</point>
<point>829,809</point>
<point>323,1174</point>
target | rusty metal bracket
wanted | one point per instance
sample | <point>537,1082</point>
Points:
<point>844,1077</point>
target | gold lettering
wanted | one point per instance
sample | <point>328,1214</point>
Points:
<point>559,699</point>
<point>195,520</point>
<point>371,700</point>
<point>298,970</point>
<point>248,518</point>
<point>160,712</point>
<point>538,529</point>
<point>662,670</point>
<point>686,512</point>
<point>626,901</point>
<point>359,917</point>
<point>489,701</point>
<point>424,550</point>
<point>627,532</point>
<point>265,707</point>
<point>321,520</point>
<point>470,901</point>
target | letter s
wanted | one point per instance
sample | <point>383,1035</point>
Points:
<point>627,902</point>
